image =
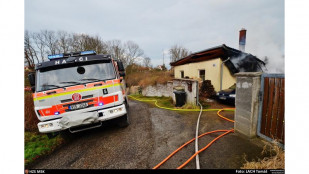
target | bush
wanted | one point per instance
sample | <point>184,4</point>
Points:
<point>26,82</point>
<point>31,119</point>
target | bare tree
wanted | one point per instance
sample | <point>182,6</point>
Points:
<point>178,52</point>
<point>29,51</point>
<point>50,41</point>
<point>116,49</point>
<point>147,62</point>
<point>93,43</point>
<point>100,46</point>
<point>76,42</point>
<point>40,44</point>
<point>63,41</point>
<point>133,52</point>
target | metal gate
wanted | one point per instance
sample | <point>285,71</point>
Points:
<point>271,108</point>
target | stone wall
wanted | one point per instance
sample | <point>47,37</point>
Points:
<point>190,87</point>
<point>159,90</point>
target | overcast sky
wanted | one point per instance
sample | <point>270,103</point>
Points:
<point>156,25</point>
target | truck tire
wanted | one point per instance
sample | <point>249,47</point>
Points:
<point>67,135</point>
<point>124,121</point>
<point>52,135</point>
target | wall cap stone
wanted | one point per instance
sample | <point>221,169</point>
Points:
<point>192,80</point>
<point>248,74</point>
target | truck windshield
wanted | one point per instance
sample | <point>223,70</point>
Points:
<point>68,76</point>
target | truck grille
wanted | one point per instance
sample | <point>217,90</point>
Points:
<point>69,100</point>
<point>87,96</point>
<point>66,100</point>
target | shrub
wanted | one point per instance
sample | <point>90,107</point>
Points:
<point>26,81</point>
<point>31,119</point>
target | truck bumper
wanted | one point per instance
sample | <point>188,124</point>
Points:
<point>103,115</point>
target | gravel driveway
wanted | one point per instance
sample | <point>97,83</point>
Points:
<point>152,135</point>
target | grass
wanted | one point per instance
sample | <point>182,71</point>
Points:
<point>167,102</point>
<point>37,145</point>
<point>275,161</point>
<point>161,101</point>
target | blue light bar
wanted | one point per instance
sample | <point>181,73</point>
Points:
<point>87,52</point>
<point>55,56</point>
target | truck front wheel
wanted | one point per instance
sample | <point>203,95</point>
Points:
<point>124,121</point>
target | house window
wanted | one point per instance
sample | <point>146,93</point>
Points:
<point>182,74</point>
<point>202,74</point>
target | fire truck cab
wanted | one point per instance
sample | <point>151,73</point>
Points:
<point>78,91</point>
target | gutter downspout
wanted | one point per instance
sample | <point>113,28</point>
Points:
<point>221,73</point>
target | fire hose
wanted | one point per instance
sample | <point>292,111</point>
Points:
<point>197,160</point>
<point>196,137</point>
<point>174,109</point>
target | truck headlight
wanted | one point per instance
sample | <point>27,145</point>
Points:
<point>43,126</point>
<point>115,110</point>
<point>232,95</point>
<point>218,93</point>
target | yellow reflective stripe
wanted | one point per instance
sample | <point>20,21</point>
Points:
<point>76,91</point>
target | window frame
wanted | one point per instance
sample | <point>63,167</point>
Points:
<point>182,74</point>
<point>199,73</point>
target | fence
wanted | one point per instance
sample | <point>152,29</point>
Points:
<point>271,107</point>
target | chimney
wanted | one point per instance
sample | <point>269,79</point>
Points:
<point>242,39</point>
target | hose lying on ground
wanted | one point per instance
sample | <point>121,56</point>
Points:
<point>197,160</point>
<point>209,144</point>
<point>218,113</point>
<point>173,153</point>
<point>196,137</point>
<point>173,109</point>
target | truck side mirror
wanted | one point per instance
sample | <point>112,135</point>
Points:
<point>120,66</point>
<point>122,74</point>
<point>31,78</point>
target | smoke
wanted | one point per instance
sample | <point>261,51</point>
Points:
<point>267,47</point>
<point>236,61</point>
<point>272,56</point>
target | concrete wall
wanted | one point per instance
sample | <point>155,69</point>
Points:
<point>247,103</point>
<point>191,96</point>
<point>159,90</point>
<point>166,90</point>
<point>212,72</point>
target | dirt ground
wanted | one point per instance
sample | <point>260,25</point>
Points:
<point>152,135</point>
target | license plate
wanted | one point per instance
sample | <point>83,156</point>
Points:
<point>222,98</point>
<point>78,106</point>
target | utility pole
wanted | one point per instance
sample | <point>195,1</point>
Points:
<point>163,56</point>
